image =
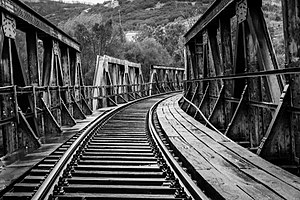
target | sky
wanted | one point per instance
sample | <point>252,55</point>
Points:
<point>86,1</point>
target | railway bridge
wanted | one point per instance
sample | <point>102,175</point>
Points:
<point>226,126</point>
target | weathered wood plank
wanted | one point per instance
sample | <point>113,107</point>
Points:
<point>255,176</point>
<point>230,163</point>
<point>200,162</point>
<point>197,161</point>
<point>268,167</point>
<point>281,174</point>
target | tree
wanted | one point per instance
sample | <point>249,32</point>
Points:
<point>88,20</point>
<point>145,31</point>
<point>101,39</point>
<point>170,37</point>
<point>116,44</point>
<point>108,39</point>
<point>82,35</point>
<point>102,34</point>
<point>147,52</point>
<point>88,56</point>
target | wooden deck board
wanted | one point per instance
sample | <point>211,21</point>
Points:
<point>171,132</point>
<point>252,158</point>
<point>248,174</point>
<point>198,162</point>
<point>221,183</point>
<point>274,170</point>
<point>226,162</point>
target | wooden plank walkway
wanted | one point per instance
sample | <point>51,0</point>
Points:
<point>231,170</point>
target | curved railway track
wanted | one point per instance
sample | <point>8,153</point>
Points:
<point>119,156</point>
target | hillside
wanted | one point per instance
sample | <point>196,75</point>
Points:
<point>56,11</point>
<point>98,28</point>
<point>131,13</point>
<point>89,23</point>
<point>151,12</point>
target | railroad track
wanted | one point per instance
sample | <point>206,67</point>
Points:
<point>120,156</point>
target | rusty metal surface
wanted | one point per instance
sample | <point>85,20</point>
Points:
<point>238,55</point>
<point>212,13</point>
<point>24,13</point>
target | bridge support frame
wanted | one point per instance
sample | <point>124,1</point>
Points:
<point>34,95</point>
<point>291,27</point>
<point>118,80</point>
<point>249,109</point>
<point>164,78</point>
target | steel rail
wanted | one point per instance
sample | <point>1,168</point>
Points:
<point>184,178</point>
<point>47,186</point>
<point>48,183</point>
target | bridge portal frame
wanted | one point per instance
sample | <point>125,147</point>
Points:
<point>117,81</point>
<point>165,78</point>
<point>233,77</point>
<point>38,97</point>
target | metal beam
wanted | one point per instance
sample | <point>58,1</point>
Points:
<point>218,7</point>
<point>117,78</point>
<point>24,14</point>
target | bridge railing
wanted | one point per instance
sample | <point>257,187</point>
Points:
<point>36,52</point>
<point>111,95</point>
<point>68,96</point>
<point>249,115</point>
<point>243,90</point>
<point>53,107</point>
<point>166,74</point>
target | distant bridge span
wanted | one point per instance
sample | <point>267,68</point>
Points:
<point>124,75</point>
<point>171,77</point>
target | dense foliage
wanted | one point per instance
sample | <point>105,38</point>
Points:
<point>108,39</point>
<point>148,52</point>
<point>160,24</point>
<point>132,13</point>
<point>273,15</point>
<point>100,29</point>
<point>57,11</point>
<point>151,12</point>
<point>101,39</point>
